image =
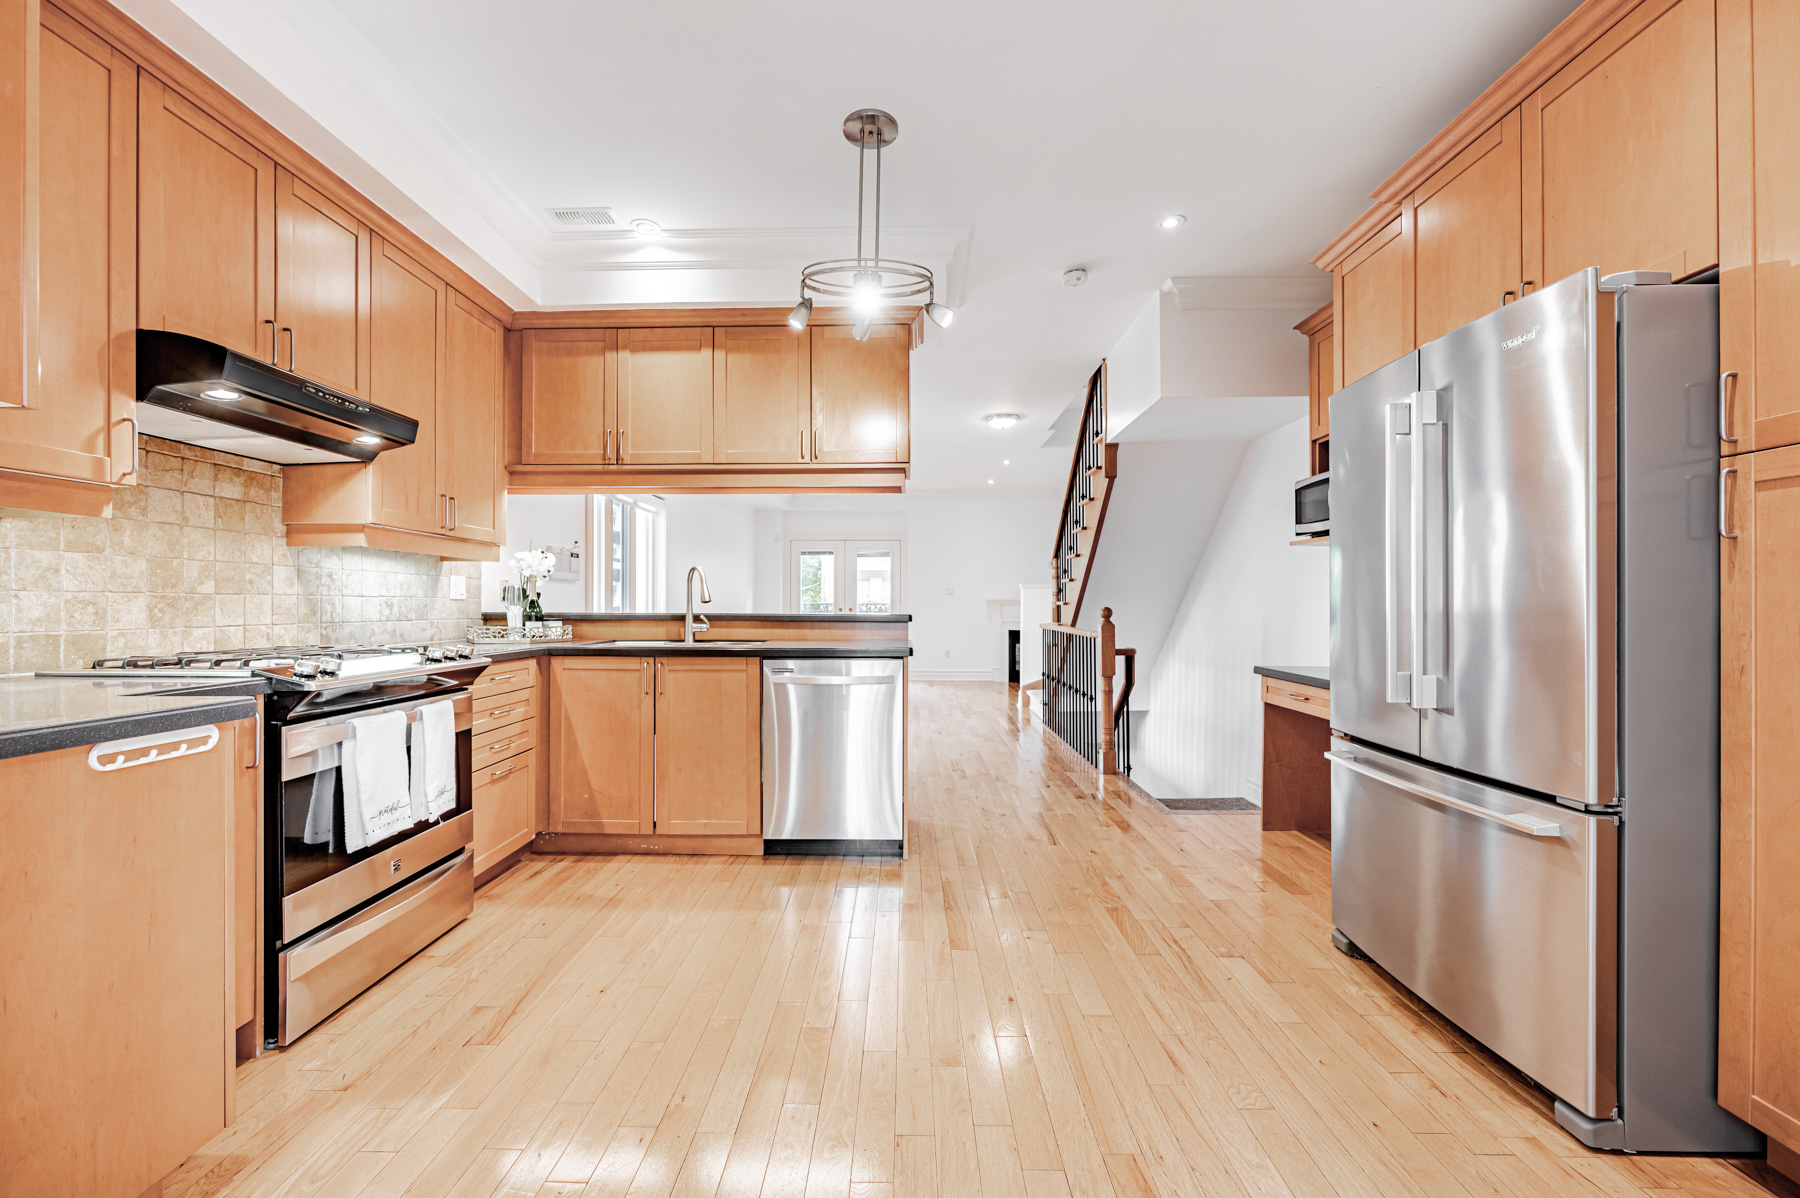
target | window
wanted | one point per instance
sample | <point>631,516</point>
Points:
<point>629,574</point>
<point>844,576</point>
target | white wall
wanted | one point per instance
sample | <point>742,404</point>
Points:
<point>534,521</point>
<point>716,533</point>
<point>1253,600</point>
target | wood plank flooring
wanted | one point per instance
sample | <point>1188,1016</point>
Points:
<point>1056,995</point>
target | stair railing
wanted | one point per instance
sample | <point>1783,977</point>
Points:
<point>1079,667</point>
<point>1090,456</point>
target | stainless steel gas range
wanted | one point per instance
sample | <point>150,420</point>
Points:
<point>337,919</point>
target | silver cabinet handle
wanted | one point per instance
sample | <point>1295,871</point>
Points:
<point>490,681</point>
<point>607,456</point>
<point>1531,825</point>
<point>646,665</point>
<point>659,666</point>
<point>497,712</point>
<point>507,770</point>
<point>111,755</point>
<point>1399,424</point>
<point>1724,528</point>
<point>1724,421</point>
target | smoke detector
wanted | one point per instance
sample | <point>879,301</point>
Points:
<point>583,218</point>
<point>1074,278</point>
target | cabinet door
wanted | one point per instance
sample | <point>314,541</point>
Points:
<point>206,221</point>
<point>503,803</point>
<point>569,408</point>
<point>1759,816</point>
<point>1466,240</point>
<point>1372,295</point>
<point>762,388</point>
<point>406,338</point>
<point>1620,151</point>
<point>321,287</point>
<point>246,882</point>
<point>1759,224</point>
<point>19,128</point>
<point>601,725</point>
<point>469,430</point>
<point>79,426</point>
<point>665,396</point>
<point>860,401</point>
<point>708,747</point>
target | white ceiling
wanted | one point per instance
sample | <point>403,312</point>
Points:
<point>1035,137</point>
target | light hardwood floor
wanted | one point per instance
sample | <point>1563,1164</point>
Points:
<point>1056,994</point>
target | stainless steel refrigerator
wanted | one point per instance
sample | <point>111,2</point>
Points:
<point>1524,680</point>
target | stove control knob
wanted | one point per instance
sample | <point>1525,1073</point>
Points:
<point>306,669</point>
<point>328,666</point>
<point>435,654</point>
<point>464,651</point>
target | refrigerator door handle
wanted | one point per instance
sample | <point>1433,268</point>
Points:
<point>1531,825</point>
<point>1426,688</point>
<point>1399,682</point>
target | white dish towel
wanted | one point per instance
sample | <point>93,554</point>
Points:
<point>319,818</point>
<point>434,761</point>
<point>377,791</point>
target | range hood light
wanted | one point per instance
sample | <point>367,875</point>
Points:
<point>222,394</point>
<point>366,439</point>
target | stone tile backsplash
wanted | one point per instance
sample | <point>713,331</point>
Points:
<point>193,558</point>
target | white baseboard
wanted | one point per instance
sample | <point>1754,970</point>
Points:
<point>953,675</point>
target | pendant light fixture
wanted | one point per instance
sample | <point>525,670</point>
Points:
<point>869,281</point>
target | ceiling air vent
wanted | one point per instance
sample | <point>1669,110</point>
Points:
<point>583,218</point>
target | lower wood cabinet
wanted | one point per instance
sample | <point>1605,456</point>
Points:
<point>643,746</point>
<point>505,799</point>
<point>1759,815</point>
<point>505,702</point>
<point>116,893</point>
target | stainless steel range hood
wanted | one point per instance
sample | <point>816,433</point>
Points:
<point>199,393</point>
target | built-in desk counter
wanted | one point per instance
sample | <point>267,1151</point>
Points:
<point>1296,781</point>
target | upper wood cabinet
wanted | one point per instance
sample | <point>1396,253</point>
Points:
<point>469,423</point>
<point>206,221</point>
<point>322,280</point>
<point>762,389</point>
<point>1467,243</point>
<point>569,397</point>
<point>860,401</point>
<point>1620,151</point>
<point>665,395</point>
<point>19,98</point>
<point>708,747</point>
<point>79,426</point>
<point>1759,223</point>
<point>1372,295</point>
<point>602,720</point>
<point>410,306</point>
<point>1321,380</point>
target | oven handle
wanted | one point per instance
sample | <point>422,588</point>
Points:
<point>300,740</point>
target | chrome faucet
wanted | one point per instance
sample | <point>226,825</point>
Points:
<point>705,597</point>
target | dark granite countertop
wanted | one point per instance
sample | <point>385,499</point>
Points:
<point>750,617</point>
<point>1319,676</point>
<point>777,649</point>
<point>38,715</point>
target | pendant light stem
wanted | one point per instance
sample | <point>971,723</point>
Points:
<point>878,199</point>
<point>861,147</point>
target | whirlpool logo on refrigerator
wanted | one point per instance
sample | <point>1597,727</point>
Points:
<point>1521,339</point>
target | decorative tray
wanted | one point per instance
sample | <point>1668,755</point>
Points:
<point>500,633</point>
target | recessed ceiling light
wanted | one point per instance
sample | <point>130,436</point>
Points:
<point>990,482</point>
<point>1172,221</point>
<point>222,394</point>
<point>1003,419</point>
<point>646,228</point>
<point>1006,461</point>
<point>366,439</point>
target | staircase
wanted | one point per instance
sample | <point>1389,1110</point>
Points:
<point>1091,475</point>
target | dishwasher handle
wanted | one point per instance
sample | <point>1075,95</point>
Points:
<point>834,679</point>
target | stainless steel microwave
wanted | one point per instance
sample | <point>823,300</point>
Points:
<point>1312,506</point>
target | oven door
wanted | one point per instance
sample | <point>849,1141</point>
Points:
<point>319,879</point>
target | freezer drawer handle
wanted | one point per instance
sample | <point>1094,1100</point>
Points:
<point>1528,824</point>
<point>835,680</point>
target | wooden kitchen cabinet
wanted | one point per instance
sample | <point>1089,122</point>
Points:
<point>116,889</point>
<point>860,394</point>
<point>1372,297</point>
<point>762,393</point>
<point>569,397</point>
<point>406,376</point>
<point>1759,225</point>
<point>247,892</point>
<point>1759,814</point>
<point>505,767</point>
<point>1321,381</point>
<point>322,282</point>
<point>602,720</point>
<point>1466,243</point>
<point>469,427</point>
<point>77,436</point>
<point>1620,151</point>
<point>19,209</point>
<point>708,747</point>
<point>206,221</point>
<point>665,396</point>
<point>505,797</point>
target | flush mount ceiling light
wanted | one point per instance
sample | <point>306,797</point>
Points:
<point>1003,419</point>
<point>1172,221</point>
<point>869,281</point>
<point>646,228</point>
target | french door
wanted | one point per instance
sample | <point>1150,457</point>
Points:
<point>827,577</point>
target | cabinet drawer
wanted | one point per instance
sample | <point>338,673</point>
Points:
<point>1310,699</point>
<point>503,678</point>
<point>497,745</point>
<point>498,711</point>
<point>500,773</point>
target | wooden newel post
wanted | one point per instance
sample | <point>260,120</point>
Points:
<point>1109,752</point>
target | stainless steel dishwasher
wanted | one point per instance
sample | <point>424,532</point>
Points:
<point>833,750</point>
